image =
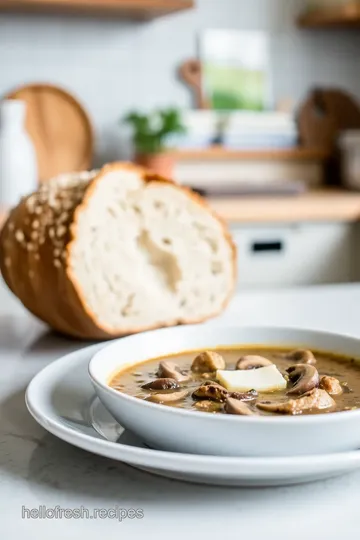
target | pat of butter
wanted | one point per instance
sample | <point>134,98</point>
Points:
<point>265,379</point>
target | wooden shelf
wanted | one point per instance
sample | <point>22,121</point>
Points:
<point>347,16</point>
<point>219,153</point>
<point>313,206</point>
<point>131,9</point>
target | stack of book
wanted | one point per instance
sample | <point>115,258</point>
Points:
<point>238,130</point>
<point>255,131</point>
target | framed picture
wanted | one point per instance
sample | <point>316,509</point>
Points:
<point>236,69</point>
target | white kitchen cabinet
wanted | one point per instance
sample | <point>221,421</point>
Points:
<point>296,254</point>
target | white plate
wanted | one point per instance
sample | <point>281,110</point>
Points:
<point>181,430</point>
<point>61,399</point>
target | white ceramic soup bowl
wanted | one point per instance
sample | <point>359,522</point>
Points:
<point>188,431</point>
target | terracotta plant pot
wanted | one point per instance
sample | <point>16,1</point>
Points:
<point>162,164</point>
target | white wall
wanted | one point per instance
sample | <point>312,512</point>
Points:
<point>113,65</point>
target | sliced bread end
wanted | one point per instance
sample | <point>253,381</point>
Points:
<point>146,253</point>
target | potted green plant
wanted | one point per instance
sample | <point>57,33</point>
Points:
<point>150,136</point>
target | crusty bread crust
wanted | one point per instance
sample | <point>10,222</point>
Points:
<point>35,249</point>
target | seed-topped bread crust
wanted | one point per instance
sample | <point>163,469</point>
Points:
<point>38,243</point>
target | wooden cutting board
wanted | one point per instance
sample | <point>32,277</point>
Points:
<point>59,127</point>
<point>325,114</point>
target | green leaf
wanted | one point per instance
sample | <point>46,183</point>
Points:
<point>151,131</point>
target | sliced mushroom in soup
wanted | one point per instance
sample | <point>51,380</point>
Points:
<point>246,381</point>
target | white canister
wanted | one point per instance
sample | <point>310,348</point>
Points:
<point>350,158</point>
<point>18,163</point>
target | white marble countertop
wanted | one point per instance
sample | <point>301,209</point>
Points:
<point>37,469</point>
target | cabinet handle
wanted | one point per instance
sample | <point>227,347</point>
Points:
<point>267,246</point>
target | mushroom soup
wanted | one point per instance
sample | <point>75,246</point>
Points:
<point>246,381</point>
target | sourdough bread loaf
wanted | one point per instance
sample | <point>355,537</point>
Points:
<point>117,251</point>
